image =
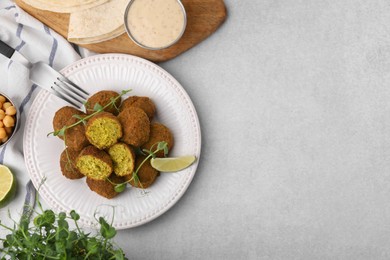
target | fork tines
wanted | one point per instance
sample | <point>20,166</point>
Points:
<point>69,91</point>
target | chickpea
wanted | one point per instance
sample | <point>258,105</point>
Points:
<point>6,105</point>
<point>8,121</point>
<point>3,133</point>
<point>10,111</point>
<point>2,114</point>
<point>4,139</point>
<point>9,130</point>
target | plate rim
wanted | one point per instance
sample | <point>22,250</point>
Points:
<point>177,195</point>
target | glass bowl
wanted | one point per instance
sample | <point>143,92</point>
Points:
<point>136,41</point>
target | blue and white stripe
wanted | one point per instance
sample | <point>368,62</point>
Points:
<point>36,42</point>
<point>27,98</point>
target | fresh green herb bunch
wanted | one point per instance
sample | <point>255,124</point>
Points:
<point>51,238</point>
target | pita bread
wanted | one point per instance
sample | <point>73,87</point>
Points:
<point>100,38</point>
<point>97,24</point>
<point>64,6</point>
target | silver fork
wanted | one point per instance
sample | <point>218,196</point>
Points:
<point>46,77</point>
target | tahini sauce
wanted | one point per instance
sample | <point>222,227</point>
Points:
<point>155,23</point>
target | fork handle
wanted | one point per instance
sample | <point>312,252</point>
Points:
<point>6,50</point>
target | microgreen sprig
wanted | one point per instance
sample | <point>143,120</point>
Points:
<point>97,109</point>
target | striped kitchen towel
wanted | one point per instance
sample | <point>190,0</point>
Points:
<point>36,42</point>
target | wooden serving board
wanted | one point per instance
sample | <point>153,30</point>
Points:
<point>203,18</point>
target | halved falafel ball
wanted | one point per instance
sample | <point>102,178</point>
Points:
<point>136,126</point>
<point>145,103</point>
<point>75,136</point>
<point>94,163</point>
<point>158,133</point>
<point>103,98</point>
<point>67,164</point>
<point>123,158</point>
<point>104,187</point>
<point>62,115</point>
<point>146,174</point>
<point>103,130</point>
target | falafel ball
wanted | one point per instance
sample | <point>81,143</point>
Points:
<point>159,133</point>
<point>103,130</point>
<point>147,175</point>
<point>123,157</point>
<point>136,126</point>
<point>67,164</point>
<point>62,115</point>
<point>75,136</point>
<point>104,187</point>
<point>103,98</point>
<point>94,163</point>
<point>145,103</point>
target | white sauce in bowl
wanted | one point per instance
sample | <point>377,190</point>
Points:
<point>155,24</point>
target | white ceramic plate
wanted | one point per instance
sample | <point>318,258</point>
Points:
<point>132,207</point>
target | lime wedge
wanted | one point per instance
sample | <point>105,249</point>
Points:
<point>172,164</point>
<point>7,185</point>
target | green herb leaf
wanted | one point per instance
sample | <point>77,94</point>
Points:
<point>92,246</point>
<point>60,132</point>
<point>106,230</point>
<point>49,216</point>
<point>62,224</point>
<point>60,246</point>
<point>74,215</point>
<point>161,145</point>
<point>98,107</point>
<point>62,216</point>
<point>120,187</point>
<point>118,254</point>
<point>124,92</point>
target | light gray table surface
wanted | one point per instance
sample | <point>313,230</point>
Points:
<point>293,99</point>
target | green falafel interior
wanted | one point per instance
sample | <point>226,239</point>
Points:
<point>93,167</point>
<point>103,130</point>
<point>123,158</point>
